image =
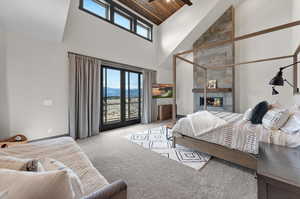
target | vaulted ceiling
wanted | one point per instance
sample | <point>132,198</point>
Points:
<point>35,17</point>
<point>157,11</point>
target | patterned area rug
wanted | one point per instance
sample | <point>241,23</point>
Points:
<point>157,140</point>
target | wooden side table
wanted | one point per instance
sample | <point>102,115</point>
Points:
<point>278,172</point>
<point>15,140</point>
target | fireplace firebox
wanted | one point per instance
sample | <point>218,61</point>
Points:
<point>212,101</point>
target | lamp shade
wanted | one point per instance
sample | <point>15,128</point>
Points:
<point>274,91</point>
<point>277,80</point>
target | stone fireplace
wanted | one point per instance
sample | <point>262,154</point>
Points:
<point>220,97</point>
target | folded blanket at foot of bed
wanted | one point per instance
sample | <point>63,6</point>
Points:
<point>237,133</point>
<point>204,121</point>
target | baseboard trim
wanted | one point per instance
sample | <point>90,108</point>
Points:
<point>48,138</point>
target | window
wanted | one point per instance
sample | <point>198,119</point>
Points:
<point>97,7</point>
<point>121,97</point>
<point>143,30</point>
<point>122,20</point>
<point>113,13</point>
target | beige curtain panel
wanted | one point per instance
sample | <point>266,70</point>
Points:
<point>149,107</point>
<point>84,96</point>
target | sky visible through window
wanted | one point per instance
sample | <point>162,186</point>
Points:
<point>113,79</point>
<point>122,21</point>
<point>142,31</point>
<point>95,8</point>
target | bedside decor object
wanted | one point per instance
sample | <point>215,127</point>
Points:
<point>279,81</point>
<point>212,84</point>
<point>17,139</point>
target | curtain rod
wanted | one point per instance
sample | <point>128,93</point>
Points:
<point>104,60</point>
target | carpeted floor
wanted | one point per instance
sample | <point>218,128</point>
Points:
<point>156,177</point>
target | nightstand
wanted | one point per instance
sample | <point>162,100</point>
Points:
<point>278,172</point>
<point>15,140</point>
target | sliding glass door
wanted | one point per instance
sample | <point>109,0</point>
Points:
<point>120,97</point>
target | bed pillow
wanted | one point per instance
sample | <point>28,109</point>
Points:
<point>275,118</point>
<point>259,112</point>
<point>13,163</point>
<point>29,185</point>
<point>248,114</point>
<point>294,108</point>
<point>52,165</point>
<point>293,124</point>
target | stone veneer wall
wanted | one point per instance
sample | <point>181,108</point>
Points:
<point>222,29</point>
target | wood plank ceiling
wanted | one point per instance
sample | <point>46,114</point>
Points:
<point>156,11</point>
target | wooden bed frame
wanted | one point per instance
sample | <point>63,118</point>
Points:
<point>238,157</point>
<point>231,155</point>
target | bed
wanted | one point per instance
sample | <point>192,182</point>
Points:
<point>236,141</point>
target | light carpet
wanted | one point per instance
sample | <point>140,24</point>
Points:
<point>156,177</point>
<point>157,140</point>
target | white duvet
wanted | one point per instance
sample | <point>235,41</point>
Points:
<point>204,121</point>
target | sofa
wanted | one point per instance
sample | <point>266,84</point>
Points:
<point>66,150</point>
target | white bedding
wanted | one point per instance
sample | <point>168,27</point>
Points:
<point>204,121</point>
<point>237,133</point>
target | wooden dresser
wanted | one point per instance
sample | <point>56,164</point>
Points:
<point>164,112</point>
<point>278,172</point>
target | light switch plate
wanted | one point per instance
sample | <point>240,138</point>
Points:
<point>48,102</point>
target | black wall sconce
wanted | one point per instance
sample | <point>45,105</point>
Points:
<point>278,80</point>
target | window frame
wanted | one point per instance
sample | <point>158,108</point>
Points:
<point>119,12</point>
<point>99,2</point>
<point>114,7</point>
<point>149,32</point>
<point>123,121</point>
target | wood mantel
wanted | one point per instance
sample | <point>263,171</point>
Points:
<point>212,90</point>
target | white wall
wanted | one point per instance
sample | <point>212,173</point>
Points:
<point>177,27</point>
<point>184,79</point>
<point>37,70</point>
<point>90,35</point>
<point>252,80</point>
<point>44,19</point>
<point>178,33</point>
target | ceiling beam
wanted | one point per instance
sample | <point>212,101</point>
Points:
<point>188,2</point>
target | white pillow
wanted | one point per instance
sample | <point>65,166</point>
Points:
<point>293,124</point>
<point>35,185</point>
<point>9,162</point>
<point>295,108</point>
<point>275,118</point>
<point>52,165</point>
<point>248,114</point>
